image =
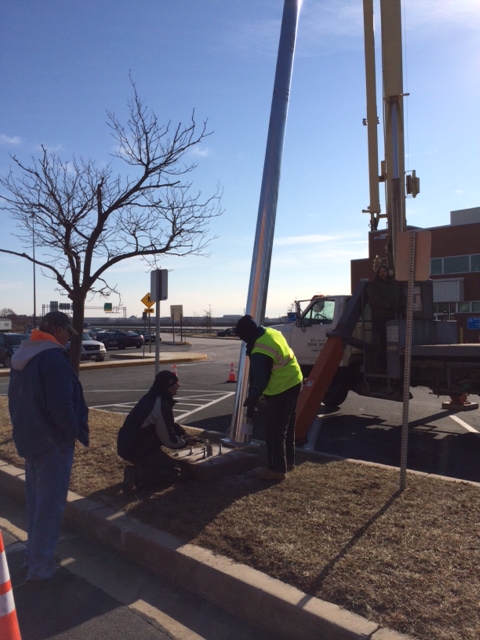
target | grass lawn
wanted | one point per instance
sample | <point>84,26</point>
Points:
<point>335,529</point>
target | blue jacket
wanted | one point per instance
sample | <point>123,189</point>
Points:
<point>45,399</point>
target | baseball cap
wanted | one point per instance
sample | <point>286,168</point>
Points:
<point>55,319</point>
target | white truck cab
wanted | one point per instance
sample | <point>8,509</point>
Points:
<point>314,319</point>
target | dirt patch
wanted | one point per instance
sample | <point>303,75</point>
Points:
<point>335,529</point>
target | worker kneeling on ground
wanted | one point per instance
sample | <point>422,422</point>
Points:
<point>275,374</point>
<point>149,426</point>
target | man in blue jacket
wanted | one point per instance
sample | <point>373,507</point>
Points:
<point>48,414</point>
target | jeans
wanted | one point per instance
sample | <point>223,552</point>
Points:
<point>46,485</point>
<point>280,429</point>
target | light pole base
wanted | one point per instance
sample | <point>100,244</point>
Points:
<point>228,442</point>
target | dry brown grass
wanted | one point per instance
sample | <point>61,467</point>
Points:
<point>335,529</point>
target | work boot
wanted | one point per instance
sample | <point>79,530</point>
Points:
<point>268,474</point>
<point>130,479</point>
<point>152,477</point>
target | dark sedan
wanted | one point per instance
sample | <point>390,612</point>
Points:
<point>227,332</point>
<point>121,339</point>
<point>148,336</point>
<point>9,343</point>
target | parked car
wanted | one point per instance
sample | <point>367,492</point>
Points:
<point>121,339</point>
<point>91,349</point>
<point>226,332</point>
<point>94,331</point>
<point>148,337</point>
<point>9,343</point>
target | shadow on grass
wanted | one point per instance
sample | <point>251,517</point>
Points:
<point>356,538</point>
<point>188,506</point>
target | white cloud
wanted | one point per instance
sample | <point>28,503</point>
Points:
<point>10,141</point>
<point>296,240</point>
<point>201,152</point>
<point>339,23</point>
<point>443,13</point>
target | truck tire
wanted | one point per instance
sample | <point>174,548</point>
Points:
<point>338,390</point>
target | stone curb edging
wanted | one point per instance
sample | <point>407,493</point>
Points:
<point>241,590</point>
<point>132,361</point>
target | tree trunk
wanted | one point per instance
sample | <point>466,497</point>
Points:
<point>78,304</point>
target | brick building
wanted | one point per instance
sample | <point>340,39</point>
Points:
<point>454,269</point>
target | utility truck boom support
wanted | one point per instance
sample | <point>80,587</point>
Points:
<point>333,337</point>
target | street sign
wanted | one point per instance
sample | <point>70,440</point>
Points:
<point>176,311</point>
<point>159,284</point>
<point>473,323</point>
<point>149,310</point>
<point>147,300</point>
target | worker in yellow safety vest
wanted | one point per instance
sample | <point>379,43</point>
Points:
<point>275,374</point>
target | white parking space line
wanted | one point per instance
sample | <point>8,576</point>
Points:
<point>224,396</point>
<point>187,404</point>
<point>464,425</point>
<point>124,407</point>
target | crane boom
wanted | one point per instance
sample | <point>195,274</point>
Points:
<point>391,26</point>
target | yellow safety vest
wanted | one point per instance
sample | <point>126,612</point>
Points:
<point>286,372</point>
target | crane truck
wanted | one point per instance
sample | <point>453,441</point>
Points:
<point>332,336</point>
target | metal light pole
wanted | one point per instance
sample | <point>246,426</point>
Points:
<point>34,319</point>
<point>262,251</point>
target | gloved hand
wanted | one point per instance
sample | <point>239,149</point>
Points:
<point>250,404</point>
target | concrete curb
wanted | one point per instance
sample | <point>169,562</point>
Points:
<point>245,592</point>
<point>133,360</point>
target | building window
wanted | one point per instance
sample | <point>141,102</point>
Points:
<point>436,266</point>
<point>443,310</point>
<point>475,306</point>
<point>464,307</point>
<point>475,262</point>
<point>456,264</point>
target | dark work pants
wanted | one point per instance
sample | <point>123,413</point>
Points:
<point>379,326</point>
<point>153,464</point>
<point>280,429</point>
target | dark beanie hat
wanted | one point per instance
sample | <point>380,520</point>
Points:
<point>164,380</point>
<point>246,328</point>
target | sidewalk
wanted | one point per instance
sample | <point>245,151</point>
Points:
<point>106,595</point>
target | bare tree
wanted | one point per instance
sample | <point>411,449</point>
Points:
<point>208,319</point>
<point>86,219</point>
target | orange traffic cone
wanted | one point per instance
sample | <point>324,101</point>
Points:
<point>174,369</point>
<point>9,629</point>
<point>231,375</point>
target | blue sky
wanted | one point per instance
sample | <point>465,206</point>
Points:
<point>64,63</point>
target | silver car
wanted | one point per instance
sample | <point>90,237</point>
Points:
<point>91,349</point>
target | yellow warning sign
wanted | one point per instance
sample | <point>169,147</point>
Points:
<point>147,301</point>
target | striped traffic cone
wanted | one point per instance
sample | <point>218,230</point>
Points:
<point>231,375</point>
<point>9,629</point>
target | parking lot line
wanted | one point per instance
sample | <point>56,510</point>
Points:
<point>464,424</point>
<point>187,404</point>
